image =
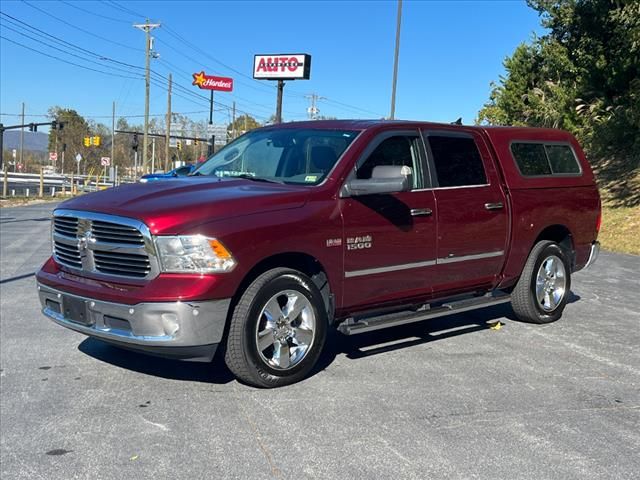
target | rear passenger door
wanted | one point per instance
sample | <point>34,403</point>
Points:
<point>472,210</point>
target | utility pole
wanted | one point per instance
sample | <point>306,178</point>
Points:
<point>167,160</point>
<point>395,63</point>
<point>113,134</point>
<point>313,110</point>
<point>146,27</point>
<point>153,154</point>
<point>233,121</point>
<point>279,101</point>
<point>22,139</point>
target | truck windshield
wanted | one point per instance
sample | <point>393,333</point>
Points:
<point>289,155</point>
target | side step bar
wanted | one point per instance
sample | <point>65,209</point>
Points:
<point>353,326</point>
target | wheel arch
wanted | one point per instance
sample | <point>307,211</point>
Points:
<point>302,262</point>
<point>561,235</point>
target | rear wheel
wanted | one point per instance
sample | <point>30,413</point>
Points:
<point>542,290</point>
<point>277,330</point>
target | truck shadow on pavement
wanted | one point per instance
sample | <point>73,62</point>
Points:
<point>157,366</point>
<point>353,347</point>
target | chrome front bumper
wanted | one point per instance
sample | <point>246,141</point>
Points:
<point>593,255</point>
<point>186,330</point>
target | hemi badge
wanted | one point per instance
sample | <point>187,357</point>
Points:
<point>334,242</point>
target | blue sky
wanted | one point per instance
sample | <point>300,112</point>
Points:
<point>450,51</point>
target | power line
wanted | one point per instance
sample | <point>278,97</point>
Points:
<point>49,14</point>
<point>45,115</point>
<point>352,107</point>
<point>122,8</point>
<point>57,48</point>
<point>119,20</point>
<point>66,61</point>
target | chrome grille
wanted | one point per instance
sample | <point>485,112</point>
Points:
<point>115,233</point>
<point>67,226</point>
<point>103,246</point>
<point>67,254</point>
<point>133,265</point>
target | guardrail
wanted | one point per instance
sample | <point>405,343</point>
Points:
<point>16,184</point>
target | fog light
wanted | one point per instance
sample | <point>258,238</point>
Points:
<point>170,324</point>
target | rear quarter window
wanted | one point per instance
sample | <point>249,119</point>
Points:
<point>540,159</point>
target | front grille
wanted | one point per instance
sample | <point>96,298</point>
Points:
<point>132,265</point>
<point>115,233</point>
<point>67,226</point>
<point>67,254</point>
<point>103,245</point>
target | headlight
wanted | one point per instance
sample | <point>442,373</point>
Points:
<point>193,254</point>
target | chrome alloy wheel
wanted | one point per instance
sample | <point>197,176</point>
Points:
<point>551,283</point>
<point>285,329</point>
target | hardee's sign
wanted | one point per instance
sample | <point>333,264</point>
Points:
<point>282,67</point>
<point>211,82</point>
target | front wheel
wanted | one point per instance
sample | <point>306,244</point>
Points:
<point>278,329</point>
<point>543,288</point>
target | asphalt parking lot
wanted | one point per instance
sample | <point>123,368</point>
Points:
<point>446,399</point>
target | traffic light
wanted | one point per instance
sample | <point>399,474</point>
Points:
<point>54,125</point>
<point>179,144</point>
<point>95,141</point>
<point>87,141</point>
<point>195,142</point>
<point>33,127</point>
<point>134,142</point>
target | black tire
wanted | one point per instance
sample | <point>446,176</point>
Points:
<point>241,354</point>
<point>524,299</point>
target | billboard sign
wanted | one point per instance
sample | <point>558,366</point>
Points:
<point>211,82</point>
<point>296,66</point>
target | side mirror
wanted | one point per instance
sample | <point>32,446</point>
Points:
<point>384,179</point>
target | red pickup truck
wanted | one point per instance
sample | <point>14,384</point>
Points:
<point>294,229</point>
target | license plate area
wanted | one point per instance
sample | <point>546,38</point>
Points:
<point>75,310</point>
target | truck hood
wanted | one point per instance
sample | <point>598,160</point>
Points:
<point>180,204</point>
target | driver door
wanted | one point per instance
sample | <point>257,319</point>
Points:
<point>389,240</point>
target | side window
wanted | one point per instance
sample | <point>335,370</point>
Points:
<point>531,159</point>
<point>400,150</point>
<point>562,159</point>
<point>544,159</point>
<point>457,161</point>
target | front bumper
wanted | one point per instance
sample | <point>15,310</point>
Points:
<point>183,330</point>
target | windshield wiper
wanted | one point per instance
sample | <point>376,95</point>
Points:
<point>256,179</point>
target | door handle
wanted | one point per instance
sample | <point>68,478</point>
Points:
<point>421,212</point>
<point>494,206</point>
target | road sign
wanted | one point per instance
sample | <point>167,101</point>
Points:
<point>188,141</point>
<point>14,152</point>
<point>78,157</point>
<point>282,67</point>
<point>211,82</point>
<point>173,142</point>
<point>176,128</point>
<point>105,161</point>
<point>53,156</point>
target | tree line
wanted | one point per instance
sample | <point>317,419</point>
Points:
<point>583,76</point>
<point>70,139</point>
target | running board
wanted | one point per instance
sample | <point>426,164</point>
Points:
<point>353,326</point>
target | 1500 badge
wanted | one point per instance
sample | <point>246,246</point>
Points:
<point>359,243</point>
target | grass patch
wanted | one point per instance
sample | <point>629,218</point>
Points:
<point>22,201</point>
<point>620,231</point>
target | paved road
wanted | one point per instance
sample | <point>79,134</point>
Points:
<point>447,399</point>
